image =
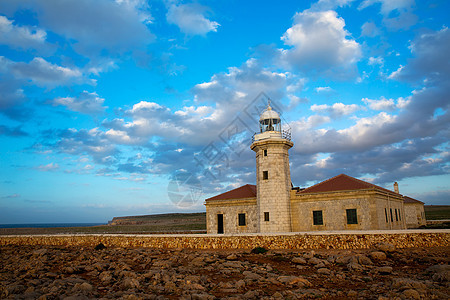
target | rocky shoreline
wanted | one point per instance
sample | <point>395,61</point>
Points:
<point>384,272</point>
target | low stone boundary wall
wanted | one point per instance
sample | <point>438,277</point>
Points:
<point>436,238</point>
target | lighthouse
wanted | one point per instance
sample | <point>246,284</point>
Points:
<point>273,179</point>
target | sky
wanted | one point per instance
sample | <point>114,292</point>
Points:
<point>132,107</point>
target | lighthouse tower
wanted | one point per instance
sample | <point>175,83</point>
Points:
<point>273,178</point>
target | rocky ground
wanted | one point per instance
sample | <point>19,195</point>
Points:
<point>31,272</point>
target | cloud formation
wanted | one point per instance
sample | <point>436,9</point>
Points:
<point>397,14</point>
<point>190,18</point>
<point>87,103</point>
<point>320,43</point>
<point>113,26</point>
<point>21,37</point>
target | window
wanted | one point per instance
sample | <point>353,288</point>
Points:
<point>392,219</point>
<point>385,214</point>
<point>317,217</point>
<point>241,219</point>
<point>266,216</point>
<point>396,215</point>
<point>265,152</point>
<point>265,175</point>
<point>399,215</point>
<point>351,216</point>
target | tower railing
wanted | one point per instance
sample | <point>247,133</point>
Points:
<point>285,134</point>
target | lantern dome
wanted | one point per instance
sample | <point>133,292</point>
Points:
<point>269,120</point>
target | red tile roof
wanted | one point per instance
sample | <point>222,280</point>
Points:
<point>342,182</point>
<point>407,199</point>
<point>246,191</point>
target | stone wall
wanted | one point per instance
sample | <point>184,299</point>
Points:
<point>358,240</point>
<point>373,209</point>
<point>230,209</point>
<point>415,215</point>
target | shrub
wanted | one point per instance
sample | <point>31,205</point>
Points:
<point>259,250</point>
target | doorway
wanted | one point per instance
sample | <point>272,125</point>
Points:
<point>220,223</point>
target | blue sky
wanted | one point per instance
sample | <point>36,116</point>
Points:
<point>126,107</point>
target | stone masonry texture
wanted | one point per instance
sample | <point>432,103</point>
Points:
<point>437,238</point>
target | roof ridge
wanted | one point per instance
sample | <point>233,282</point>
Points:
<point>244,191</point>
<point>348,177</point>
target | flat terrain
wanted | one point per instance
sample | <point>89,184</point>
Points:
<point>172,223</point>
<point>437,212</point>
<point>163,223</point>
<point>32,272</point>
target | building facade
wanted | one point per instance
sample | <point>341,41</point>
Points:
<point>273,205</point>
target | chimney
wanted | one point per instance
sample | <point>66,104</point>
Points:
<point>396,188</point>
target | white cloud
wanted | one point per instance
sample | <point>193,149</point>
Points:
<point>190,19</point>
<point>369,29</point>
<point>122,137</point>
<point>92,26</point>
<point>48,167</point>
<point>387,104</point>
<point>294,101</point>
<point>381,104</point>
<point>319,42</point>
<point>87,103</point>
<point>21,37</point>
<point>330,4</point>
<point>397,14</point>
<point>44,73</point>
<point>323,89</point>
<point>396,73</point>
<point>376,61</point>
<point>336,110</point>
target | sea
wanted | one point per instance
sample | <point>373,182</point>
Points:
<point>49,225</point>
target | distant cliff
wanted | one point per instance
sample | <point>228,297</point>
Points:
<point>161,219</point>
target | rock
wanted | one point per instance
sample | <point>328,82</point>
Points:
<point>299,260</point>
<point>314,261</point>
<point>441,272</point>
<point>386,270</point>
<point>385,247</point>
<point>240,284</point>
<point>345,259</point>
<point>411,294</point>
<point>84,287</point>
<point>352,293</point>
<point>364,260</point>
<point>232,264</point>
<point>294,280</point>
<point>309,255</point>
<point>251,295</point>
<point>377,255</point>
<point>198,262</point>
<point>203,296</point>
<point>407,283</point>
<point>352,266</point>
<point>130,283</point>
<point>231,257</point>
<point>196,287</point>
<point>324,271</point>
<point>438,268</point>
<point>75,297</point>
<point>277,295</point>
<point>251,276</point>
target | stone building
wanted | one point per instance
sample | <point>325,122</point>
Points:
<point>415,213</point>
<point>273,205</point>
